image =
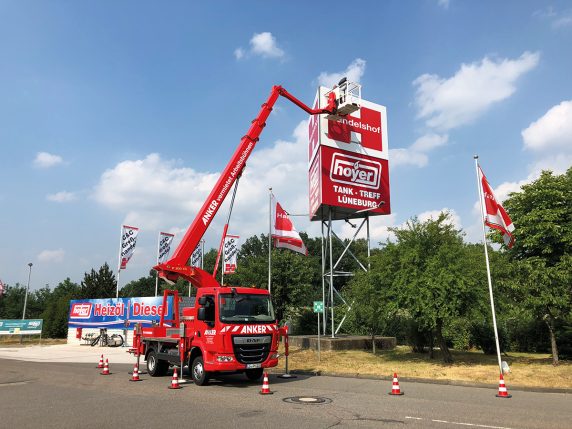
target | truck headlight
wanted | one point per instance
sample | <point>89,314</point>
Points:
<point>275,356</point>
<point>224,359</point>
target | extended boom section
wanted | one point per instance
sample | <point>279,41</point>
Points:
<point>177,266</point>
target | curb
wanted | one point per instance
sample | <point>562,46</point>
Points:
<point>430,381</point>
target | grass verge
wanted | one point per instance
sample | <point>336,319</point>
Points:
<point>527,369</point>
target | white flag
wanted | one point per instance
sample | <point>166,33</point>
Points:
<point>165,240</point>
<point>230,253</point>
<point>128,241</point>
<point>197,256</point>
<point>1,288</point>
<point>283,231</point>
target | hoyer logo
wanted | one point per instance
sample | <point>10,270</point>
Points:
<point>352,170</point>
<point>81,310</point>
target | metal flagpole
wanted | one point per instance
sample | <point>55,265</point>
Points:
<point>323,279</point>
<point>480,188</point>
<point>157,272</point>
<point>119,263</point>
<point>269,239</point>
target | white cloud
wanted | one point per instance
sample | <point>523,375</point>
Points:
<point>239,53</point>
<point>61,197</point>
<point>449,103</point>
<point>51,255</point>
<point>552,131</point>
<point>264,44</point>
<point>444,4</point>
<point>47,160</point>
<point>261,44</point>
<point>416,153</point>
<point>557,19</point>
<point>407,157</point>
<point>353,72</point>
<point>454,219</point>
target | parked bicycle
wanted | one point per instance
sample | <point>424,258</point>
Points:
<point>104,340</point>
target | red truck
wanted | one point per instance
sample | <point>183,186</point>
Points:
<point>222,329</point>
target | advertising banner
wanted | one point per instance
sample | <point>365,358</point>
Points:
<point>197,256</point>
<point>165,240</point>
<point>114,312</point>
<point>128,241</point>
<point>21,327</point>
<point>230,253</point>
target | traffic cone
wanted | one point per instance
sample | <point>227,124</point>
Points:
<point>100,364</point>
<point>265,387</point>
<point>105,368</point>
<point>135,376</point>
<point>175,381</point>
<point>503,393</point>
<point>395,390</point>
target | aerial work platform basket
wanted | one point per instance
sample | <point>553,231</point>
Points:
<point>348,97</point>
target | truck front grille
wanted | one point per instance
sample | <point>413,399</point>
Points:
<point>252,353</point>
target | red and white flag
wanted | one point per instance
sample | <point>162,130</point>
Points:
<point>165,240</point>
<point>128,241</point>
<point>230,253</point>
<point>495,215</point>
<point>1,288</point>
<point>283,231</point>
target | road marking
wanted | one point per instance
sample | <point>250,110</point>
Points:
<point>459,423</point>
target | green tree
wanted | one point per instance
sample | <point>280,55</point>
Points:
<point>99,284</point>
<point>144,286</point>
<point>12,303</point>
<point>542,214</point>
<point>431,276</point>
<point>56,310</point>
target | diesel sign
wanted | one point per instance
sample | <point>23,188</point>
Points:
<point>355,171</point>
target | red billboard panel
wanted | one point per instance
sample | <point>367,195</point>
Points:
<point>348,163</point>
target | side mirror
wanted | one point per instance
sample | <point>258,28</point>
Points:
<point>202,300</point>
<point>201,313</point>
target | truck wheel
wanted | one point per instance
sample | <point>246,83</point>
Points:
<point>254,374</point>
<point>155,366</point>
<point>200,376</point>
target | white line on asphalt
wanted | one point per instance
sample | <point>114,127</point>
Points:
<point>460,423</point>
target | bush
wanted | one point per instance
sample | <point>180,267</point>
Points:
<point>483,336</point>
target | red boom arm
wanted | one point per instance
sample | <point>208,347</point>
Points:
<point>177,266</point>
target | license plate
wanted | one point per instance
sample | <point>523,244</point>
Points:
<point>253,365</point>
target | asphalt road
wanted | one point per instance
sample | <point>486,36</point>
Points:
<point>74,395</point>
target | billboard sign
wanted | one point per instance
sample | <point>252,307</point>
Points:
<point>348,163</point>
<point>21,327</point>
<point>114,312</point>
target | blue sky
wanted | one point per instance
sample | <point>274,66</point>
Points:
<point>125,112</point>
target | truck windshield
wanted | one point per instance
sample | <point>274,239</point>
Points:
<point>253,308</point>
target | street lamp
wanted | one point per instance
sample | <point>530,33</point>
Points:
<point>27,289</point>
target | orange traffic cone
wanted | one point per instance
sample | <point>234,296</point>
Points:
<point>135,376</point>
<point>395,390</point>
<point>265,387</point>
<point>503,393</point>
<point>105,368</point>
<point>100,364</point>
<point>175,381</point>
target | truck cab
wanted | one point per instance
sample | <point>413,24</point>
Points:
<point>222,330</point>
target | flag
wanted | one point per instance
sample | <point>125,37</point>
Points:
<point>1,288</point>
<point>230,253</point>
<point>283,231</point>
<point>197,256</point>
<point>165,240</point>
<point>495,215</point>
<point>128,241</point>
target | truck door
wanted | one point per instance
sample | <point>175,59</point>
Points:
<point>206,323</point>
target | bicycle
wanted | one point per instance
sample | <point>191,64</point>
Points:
<point>105,340</point>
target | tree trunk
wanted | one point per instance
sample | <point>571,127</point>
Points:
<point>447,357</point>
<point>431,344</point>
<point>373,342</point>
<point>550,323</point>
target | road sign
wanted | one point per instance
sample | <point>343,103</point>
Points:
<point>318,306</point>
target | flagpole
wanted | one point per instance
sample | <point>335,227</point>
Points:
<point>269,239</point>
<point>119,263</point>
<point>480,189</point>
<point>157,272</point>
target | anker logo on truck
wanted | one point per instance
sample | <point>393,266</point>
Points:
<point>352,170</point>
